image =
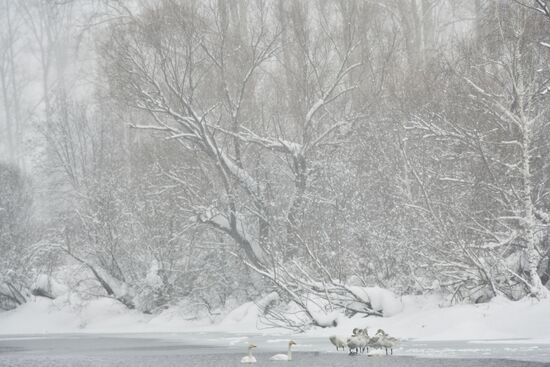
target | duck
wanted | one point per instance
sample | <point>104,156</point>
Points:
<point>385,341</point>
<point>284,357</point>
<point>249,358</point>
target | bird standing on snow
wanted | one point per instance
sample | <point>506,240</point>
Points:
<point>249,358</point>
<point>364,340</point>
<point>385,341</point>
<point>284,357</point>
<point>358,341</point>
<point>354,343</point>
<point>373,342</point>
<point>338,341</point>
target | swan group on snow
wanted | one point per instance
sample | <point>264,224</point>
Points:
<point>357,343</point>
<point>360,341</point>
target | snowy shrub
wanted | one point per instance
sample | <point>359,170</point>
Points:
<point>16,233</point>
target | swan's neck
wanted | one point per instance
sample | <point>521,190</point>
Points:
<point>289,352</point>
<point>249,352</point>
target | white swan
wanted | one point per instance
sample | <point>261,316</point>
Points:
<point>354,344</point>
<point>249,358</point>
<point>364,340</point>
<point>338,341</point>
<point>375,342</point>
<point>385,341</point>
<point>284,357</point>
<point>358,341</point>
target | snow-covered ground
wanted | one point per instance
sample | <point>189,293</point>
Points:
<point>499,329</point>
<point>421,319</point>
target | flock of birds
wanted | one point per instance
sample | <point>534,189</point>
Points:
<point>357,343</point>
<point>360,340</point>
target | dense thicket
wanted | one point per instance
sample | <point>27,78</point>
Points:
<point>225,150</point>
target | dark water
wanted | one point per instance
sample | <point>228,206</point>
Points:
<point>142,351</point>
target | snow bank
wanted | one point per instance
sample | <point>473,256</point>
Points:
<point>70,314</point>
<point>243,318</point>
<point>381,299</point>
<point>39,316</point>
<point>421,318</point>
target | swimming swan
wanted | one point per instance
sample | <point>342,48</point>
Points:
<point>338,341</point>
<point>249,358</point>
<point>284,357</point>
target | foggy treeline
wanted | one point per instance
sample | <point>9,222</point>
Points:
<point>208,153</point>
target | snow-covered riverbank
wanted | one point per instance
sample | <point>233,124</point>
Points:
<point>422,318</point>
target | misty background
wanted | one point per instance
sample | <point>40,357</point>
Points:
<point>209,153</point>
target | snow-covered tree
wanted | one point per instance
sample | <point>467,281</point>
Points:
<point>16,233</point>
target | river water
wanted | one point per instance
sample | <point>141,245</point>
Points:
<point>218,350</point>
